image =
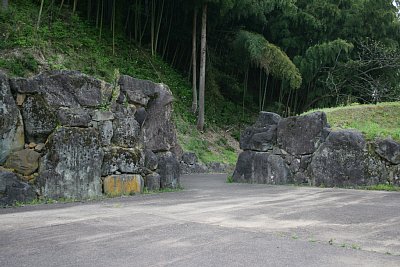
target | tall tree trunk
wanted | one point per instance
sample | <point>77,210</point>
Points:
<point>74,6</point>
<point>152,25</point>
<point>4,4</point>
<point>113,28</point>
<point>202,81</point>
<point>89,9</point>
<point>101,18</point>
<point>97,14</point>
<point>62,4</point>
<point>158,26</point>
<point>40,15</point>
<point>194,62</point>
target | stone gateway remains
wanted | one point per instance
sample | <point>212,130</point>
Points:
<point>304,149</point>
<point>67,135</point>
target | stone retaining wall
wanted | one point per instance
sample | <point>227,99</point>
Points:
<point>68,135</point>
<point>305,150</point>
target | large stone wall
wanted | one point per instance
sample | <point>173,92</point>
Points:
<point>67,135</point>
<point>305,150</point>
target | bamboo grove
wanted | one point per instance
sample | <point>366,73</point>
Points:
<point>281,55</point>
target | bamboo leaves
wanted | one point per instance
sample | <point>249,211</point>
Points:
<point>269,57</point>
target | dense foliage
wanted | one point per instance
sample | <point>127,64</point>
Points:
<point>280,55</point>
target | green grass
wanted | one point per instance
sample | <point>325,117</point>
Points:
<point>162,190</point>
<point>375,121</point>
<point>44,201</point>
<point>229,179</point>
<point>207,150</point>
<point>382,187</point>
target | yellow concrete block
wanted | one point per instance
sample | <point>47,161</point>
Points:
<point>123,184</point>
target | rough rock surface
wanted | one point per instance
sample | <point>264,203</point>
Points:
<point>168,168</point>
<point>266,119</point>
<point>258,139</point>
<point>65,88</point>
<point>40,120</point>
<point>124,184</point>
<point>11,125</point>
<point>73,117</point>
<point>71,167</point>
<point>302,135</point>
<point>126,131</point>
<point>341,160</point>
<point>262,135</point>
<point>389,150</point>
<point>189,158</point>
<point>190,164</point>
<point>151,160</point>
<point>261,168</point>
<point>122,160</point>
<point>158,131</point>
<point>153,181</point>
<point>24,162</point>
<point>106,132</point>
<point>12,189</point>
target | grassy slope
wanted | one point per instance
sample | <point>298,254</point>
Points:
<point>381,120</point>
<point>64,41</point>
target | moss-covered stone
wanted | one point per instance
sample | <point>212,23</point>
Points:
<point>40,120</point>
<point>71,168</point>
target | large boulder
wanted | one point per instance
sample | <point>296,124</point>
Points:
<point>25,162</point>
<point>302,135</point>
<point>73,117</point>
<point>122,160</point>
<point>262,135</point>
<point>11,124</point>
<point>40,120</point>
<point>106,132</point>
<point>258,139</point>
<point>266,119</point>
<point>389,150</point>
<point>168,168</point>
<point>65,88</point>
<point>158,130</point>
<point>343,161</point>
<point>71,168</point>
<point>151,160</point>
<point>126,130</point>
<point>12,189</point>
<point>261,168</point>
<point>153,181</point>
<point>189,158</point>
<point>394,175</point>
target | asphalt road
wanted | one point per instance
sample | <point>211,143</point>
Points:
<point>210,223</point>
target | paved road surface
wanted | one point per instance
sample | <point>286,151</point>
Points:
<point>210,223</point>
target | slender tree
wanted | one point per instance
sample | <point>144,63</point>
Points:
<point>40,15</point>
<point>74,6</point>
<point>194,62</point>
<point>202,81</point>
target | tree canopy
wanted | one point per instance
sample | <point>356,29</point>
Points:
<point>306,49</point>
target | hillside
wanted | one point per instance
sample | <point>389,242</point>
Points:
<point>381,120</point>
<point>66,41</point>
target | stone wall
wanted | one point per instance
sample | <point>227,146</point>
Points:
<point>305,150</point>
<point>67,135</point>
